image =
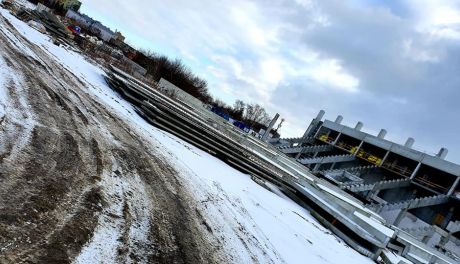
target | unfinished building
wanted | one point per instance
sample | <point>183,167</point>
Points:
<point>411,190</point>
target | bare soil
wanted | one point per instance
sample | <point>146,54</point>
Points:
<point>56,152</point>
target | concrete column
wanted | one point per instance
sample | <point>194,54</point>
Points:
<point>339,119</point>
<point>403,212</point>
<point>384,158</point>
<point>400,217</point>
<point>337,139</point>
<point>412,176</point>
<point>447,218</point>
<point>320,115</point>
<point>299,154</point>
<point>454,186</point>
<point>359,147</point>
<point>314,123</point>
<point>333,165</point>
<point>442,153</point>
<point>359,126</point>
<point>317,132</point>
<point>382,134</point>
<point>270,126</point>
<point>316,168</point>
<point>409,143</point>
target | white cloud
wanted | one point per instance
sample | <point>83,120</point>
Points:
<point>271,71</point>
<point>297,57</point>
<point>439,19</point>
<point>332,74</point>
<point>445,15</point>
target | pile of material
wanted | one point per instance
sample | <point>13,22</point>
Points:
<point>52,24</point>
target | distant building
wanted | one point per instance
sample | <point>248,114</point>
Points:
<point>93,26</point>
<point>102,31</point>
<point>82,19</point>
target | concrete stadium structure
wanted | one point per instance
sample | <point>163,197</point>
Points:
<point>347,217</point>
<point>414,191</point>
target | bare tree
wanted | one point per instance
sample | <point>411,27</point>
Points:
<point>175,71</point>
<point>238,109</point>
<point>255,114</point>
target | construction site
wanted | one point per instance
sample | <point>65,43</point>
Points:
<point>375,203</point>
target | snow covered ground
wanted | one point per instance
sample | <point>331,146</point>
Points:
<point>252,224</point>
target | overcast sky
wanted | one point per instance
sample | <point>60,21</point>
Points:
<point>389,64</point>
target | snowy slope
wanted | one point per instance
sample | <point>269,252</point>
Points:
<point>251,223</point>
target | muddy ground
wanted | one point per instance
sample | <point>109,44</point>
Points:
<point>67,165</point>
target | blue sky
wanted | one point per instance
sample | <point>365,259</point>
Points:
<point>389,64</point>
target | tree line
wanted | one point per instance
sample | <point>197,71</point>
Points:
<point>160,66</point>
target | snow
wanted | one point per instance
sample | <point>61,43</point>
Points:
<point>253,222</point>
<point>3,83</point>
<point>18,124</point>
<point>106,239</point>
<point>287,228</point>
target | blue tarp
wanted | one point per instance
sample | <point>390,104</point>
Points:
<point>224,115</point>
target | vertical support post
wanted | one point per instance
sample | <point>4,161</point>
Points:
<point>454,186</point>
<point>403,211</point>
<point>270,126</point>
<point>333,165</point>
<point>316,154</point>
<point>412,176</point>
<point>409,143</point>
<point>300,153</point>
<point>314,123</point>
<point>337,139</point>
<point>382,133</point>
<point>316,168</point>
<point>339,119</point>
<point>400,217</point>
<point>359,147</point>
<point>384,158</point>
<point>317,131</point>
